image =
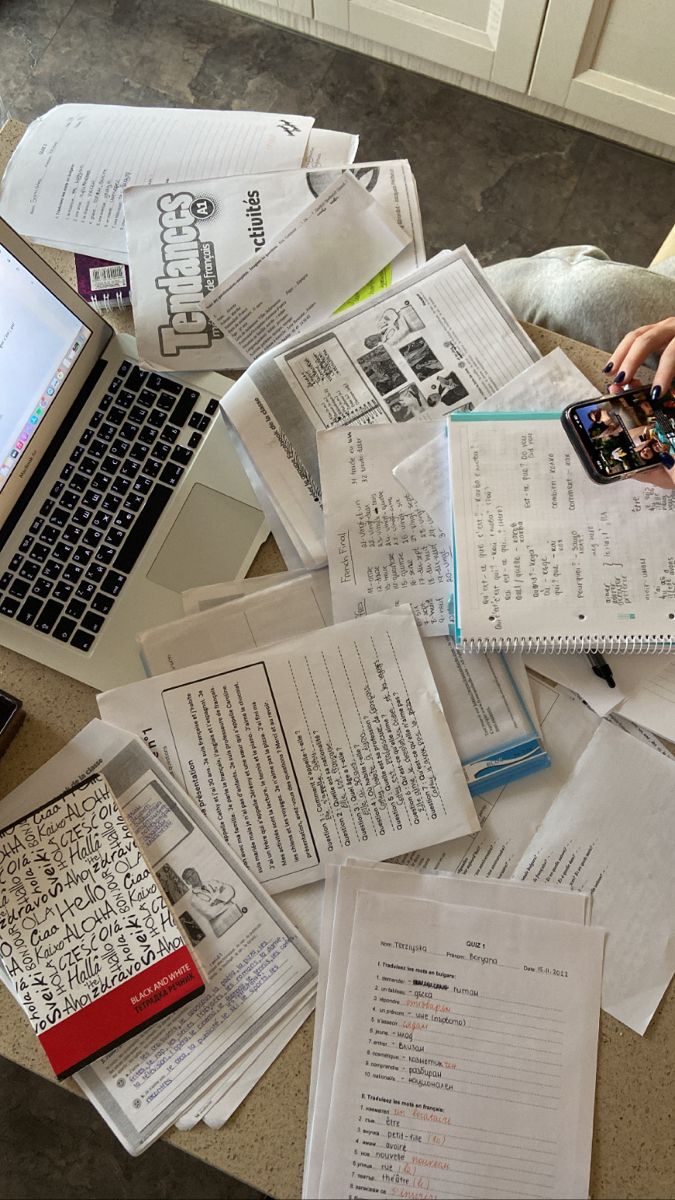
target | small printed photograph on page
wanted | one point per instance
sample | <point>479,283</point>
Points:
<point>421,358</point>
<point>381,370</point>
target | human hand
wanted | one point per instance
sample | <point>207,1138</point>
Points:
<point>630,354</point>
<point>635,348</point>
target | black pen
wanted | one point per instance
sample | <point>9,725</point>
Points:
<point>601,667</point>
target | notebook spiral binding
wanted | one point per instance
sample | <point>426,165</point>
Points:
<point>613,644</point>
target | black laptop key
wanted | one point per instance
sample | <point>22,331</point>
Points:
<point>86,436</point>
<point>101,482</point>
<point>115,537</point>
<point>92,538</point>
<point>85,590</point>
<point>184,406</point>
<point>147,434</point>
<point>93,621</point>
<point>138,535</point>
<point>82,515</point>
<point>119,448</point>
<point>102,603</point>
<point>211,407</point>
<point>129,469</point>
<point>62,591</point>
<point>67,470</point>
<point>83,553</point>
<point>170,433</point>
<point>82,640</point>
<point>29,610</point>
<point>92,498</point>
<point>48,617</point>
<point>70,500</point>
<point>111,464</point>
<point>134,502</point>
<point>101,520</point>
<point>157,418</point>
<point>29,570</point>
<point>148,397</point>
<point>115,385</point>
<point>47,507</point>
<point>139,452</point>
<point>16,562</point>
<point>142,484</point>
<point>136,379</point>
<point>50,535</point>
<point>57,489</point>
<point>51,569</point>
<point>165,401</point>
<point>19,588</point>
<point>124,367</point>
<point>195,439</point>
<point>158,382</point>
<point>72,572</point>
<point>60,517</point>
<point>39,552</point>
<point>61,552</point>
<point>8,606</point>
<point>138,414</point>
<point>26,544</point>
<point>79,482</point>
<point>41,587</point>
<point>105,554</point>
<point>75,609</point>
<point>129,430</point>
<point>107,432</point>
<point>125,519</point>
<point>111,503</point>
<point>152,468</point>
<point>116,414</point>
<point>96,419</point>
<point>75,457</point>
<point>121,485</point>
<point>36,525</point>
<point>72,534</point>
<point>88,467</point>
<point>125,399</point>
<point>5,580</point>
<point>64,629</point>
<point>161,451</point>
<point>113,583</point>
<point>95,572</point>
<point>171,473</point>
<point>181,454</point>
<point>98,449</point>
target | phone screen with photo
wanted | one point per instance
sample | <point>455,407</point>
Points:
<point>626,432</point>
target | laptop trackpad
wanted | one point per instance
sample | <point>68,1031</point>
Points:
<point>208,541</point>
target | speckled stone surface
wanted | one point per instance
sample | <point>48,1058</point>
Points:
<point>263,1143</point>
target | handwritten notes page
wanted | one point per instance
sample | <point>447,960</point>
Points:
<point>466,1054</point>
<point>260,972</point>
<point>74,162</point>
<point>611,831</point>
<point>343,886</point>
<point>545,556</point>
<point>383,548</point>
<point>330,249</point>
<point>303,751</point>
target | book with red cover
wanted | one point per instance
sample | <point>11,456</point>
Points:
<point>86,936</point>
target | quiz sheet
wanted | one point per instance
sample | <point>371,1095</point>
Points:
<point>63,185</point>
<point>308,750</point>
<point>343,886</point>
<point>383,548</point>
<point>466,1056</point>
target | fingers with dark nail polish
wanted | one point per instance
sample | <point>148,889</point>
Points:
<point>620,377</point>
<point>608,368</point>
<point>655,392</point>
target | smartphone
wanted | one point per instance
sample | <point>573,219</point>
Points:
<point>619,436</point>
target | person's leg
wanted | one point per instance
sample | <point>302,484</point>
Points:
<point>579,292</point>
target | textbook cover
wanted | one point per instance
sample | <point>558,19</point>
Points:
<point>86,936</point>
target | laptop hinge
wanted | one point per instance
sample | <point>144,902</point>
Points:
<point>50,453</point>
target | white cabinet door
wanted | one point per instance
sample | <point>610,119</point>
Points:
<point>303,7</point>
<point>491,39</point>
<point>611,60</point>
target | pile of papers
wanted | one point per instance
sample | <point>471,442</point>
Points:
<point>509,882</point>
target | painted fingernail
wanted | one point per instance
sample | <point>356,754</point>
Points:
<point>620,377</point>
<point>655,392</point>
<point>608,368</point>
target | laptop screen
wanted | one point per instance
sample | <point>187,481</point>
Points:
<point>40,340</point>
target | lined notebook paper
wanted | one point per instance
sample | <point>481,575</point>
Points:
<point>545,559</point>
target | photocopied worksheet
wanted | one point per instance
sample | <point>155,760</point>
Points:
<point>302,752</point>
<point>63,185</point>
<point>383,548</point>
<point>438,338</point>
<point>466,1056</point>
<point>314,264</point>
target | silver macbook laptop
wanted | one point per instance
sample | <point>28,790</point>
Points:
<point>119,487</point>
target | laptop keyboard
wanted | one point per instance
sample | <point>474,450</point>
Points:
<point>73,563</point>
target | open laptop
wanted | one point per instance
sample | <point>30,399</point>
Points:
<point>119,487</point>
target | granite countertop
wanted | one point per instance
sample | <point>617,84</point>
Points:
<point>263,1143</point>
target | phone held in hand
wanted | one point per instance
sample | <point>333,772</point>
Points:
<point>620,436</point>
<point>11,715</point>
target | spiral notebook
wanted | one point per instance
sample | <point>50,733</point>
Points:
<point>545,559</point>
